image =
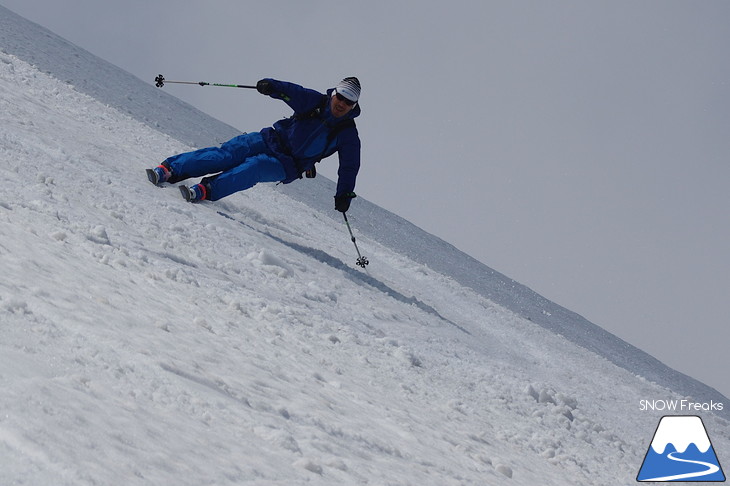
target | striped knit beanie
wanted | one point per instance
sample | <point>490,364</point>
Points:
<point>349,88</point>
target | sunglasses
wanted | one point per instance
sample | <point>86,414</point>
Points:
<point>345,100</point>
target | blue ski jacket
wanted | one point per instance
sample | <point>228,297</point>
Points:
<point>301,141</point>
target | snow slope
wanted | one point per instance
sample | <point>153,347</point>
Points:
<point>149,341</point>
<point>139,99</point>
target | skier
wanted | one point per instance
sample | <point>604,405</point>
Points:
<point>322,124</point>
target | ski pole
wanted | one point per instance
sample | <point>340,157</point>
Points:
<point>160,82</point>
<point>361,260</point>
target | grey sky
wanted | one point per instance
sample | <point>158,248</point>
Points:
<point>580,147</point>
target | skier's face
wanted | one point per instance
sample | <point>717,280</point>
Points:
<point>340,107</point>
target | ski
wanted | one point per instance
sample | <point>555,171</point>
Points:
<point>152,176</point>
<point>186,193</point>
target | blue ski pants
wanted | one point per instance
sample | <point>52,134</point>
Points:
<point>240,164</point>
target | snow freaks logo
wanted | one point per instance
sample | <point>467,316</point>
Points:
<point>681,451</point>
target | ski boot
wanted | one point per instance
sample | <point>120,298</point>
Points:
<point>196,193</point>
<point>159,174</point>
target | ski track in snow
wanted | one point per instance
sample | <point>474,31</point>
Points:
<point>146,340</point>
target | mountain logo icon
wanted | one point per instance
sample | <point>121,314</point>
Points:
<point>681,451</point>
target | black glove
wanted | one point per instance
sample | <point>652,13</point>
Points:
<point>264,87</point>
<point>342,201</point>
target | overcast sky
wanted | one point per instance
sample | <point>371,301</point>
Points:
<point>579,147</point>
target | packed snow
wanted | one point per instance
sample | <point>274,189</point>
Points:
<point>146,340</point>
